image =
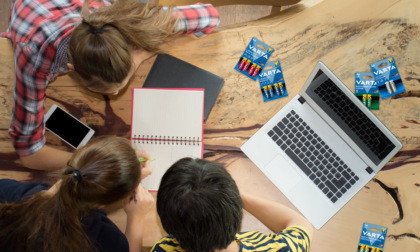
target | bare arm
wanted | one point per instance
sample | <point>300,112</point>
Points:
<point>134,233</point>
<point>274,215</point>
<point>136,208</point>
<point>48,158</point>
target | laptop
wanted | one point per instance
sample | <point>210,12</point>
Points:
<point>170,72</point>
<point>322,147</point>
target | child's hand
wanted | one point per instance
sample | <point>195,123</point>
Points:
<point>139,204</point>
<point>145,166</point>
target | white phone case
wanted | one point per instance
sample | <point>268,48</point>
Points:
<point>67,127</point>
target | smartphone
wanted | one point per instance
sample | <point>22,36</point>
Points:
<point>67,127</point>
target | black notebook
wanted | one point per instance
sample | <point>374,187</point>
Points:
<point>171,72</point>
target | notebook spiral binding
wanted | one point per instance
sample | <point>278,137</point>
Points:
<point>174,140</point>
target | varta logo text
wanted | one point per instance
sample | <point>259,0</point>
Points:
<point>257,51</point>
<point>374,235</point>
<point>365,83</point>
<point>270,72</point>
<point>385,69</point>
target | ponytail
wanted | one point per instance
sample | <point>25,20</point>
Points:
<point>100,47</point>
<point>101,173</point>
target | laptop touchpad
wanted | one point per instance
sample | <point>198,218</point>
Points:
<point>283,175</point>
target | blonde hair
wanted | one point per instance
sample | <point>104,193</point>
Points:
<point>100,47</point>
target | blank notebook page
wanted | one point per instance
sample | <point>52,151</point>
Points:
<point>168,124</point>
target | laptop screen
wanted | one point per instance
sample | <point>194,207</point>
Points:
<point>350,118</point>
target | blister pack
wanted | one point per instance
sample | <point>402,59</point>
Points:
<point>254,58</point>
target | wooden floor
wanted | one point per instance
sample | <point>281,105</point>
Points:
<point>231,14</point>
<point>4,14</point>
<point>346,35</point>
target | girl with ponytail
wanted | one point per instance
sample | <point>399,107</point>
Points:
<point>103,42</point>
<point>67,216</point>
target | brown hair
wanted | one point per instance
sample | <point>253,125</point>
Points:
<point>109,171</point>
<point>100,47</point>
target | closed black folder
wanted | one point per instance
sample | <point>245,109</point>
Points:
<point>171,72</point>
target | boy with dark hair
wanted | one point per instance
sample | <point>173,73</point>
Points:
<point>200,207</point>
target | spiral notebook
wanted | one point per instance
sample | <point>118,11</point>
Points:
<point>168,124</point>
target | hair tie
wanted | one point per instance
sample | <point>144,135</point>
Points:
<point>78,174</point>
<point>94,30</point>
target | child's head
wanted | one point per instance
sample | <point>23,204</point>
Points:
<point>103,172</point>
<point>109,171</point>
<point>100,48</point>
<point>199,204</point>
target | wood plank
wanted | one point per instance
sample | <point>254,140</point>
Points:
<point>4,14</point>
<point>347,37</point>
<point>231,2</point>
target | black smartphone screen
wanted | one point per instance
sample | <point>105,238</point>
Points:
<point>67,127</point>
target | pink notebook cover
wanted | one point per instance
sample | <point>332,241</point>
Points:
<point>168,123</point>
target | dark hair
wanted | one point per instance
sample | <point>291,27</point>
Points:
<point>100,47</point>
<point>199,204</point>
<point>109,171</point>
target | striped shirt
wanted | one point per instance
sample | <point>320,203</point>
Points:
<point>40,31</point>
<point>291,239</point>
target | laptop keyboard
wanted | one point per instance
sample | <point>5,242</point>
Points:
<point>350,115</point>
<point>313,156</point>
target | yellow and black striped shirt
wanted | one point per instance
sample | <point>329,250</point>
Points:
<point>293,239</point>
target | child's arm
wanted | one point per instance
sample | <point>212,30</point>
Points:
<point>136,208</point>
<point>274,215</point>
<point>47,158</point>
<point>199,19</point>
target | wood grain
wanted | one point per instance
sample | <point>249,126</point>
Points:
<point>347,36</point>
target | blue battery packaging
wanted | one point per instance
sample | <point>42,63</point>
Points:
<point>372,238</point>
<point>387,77</point>
<point>366,90</point>
<point>272,83</point>
<point>254,58</point>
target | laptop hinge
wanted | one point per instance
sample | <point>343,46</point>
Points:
<point>369,170</point>
<point>302,100</point>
